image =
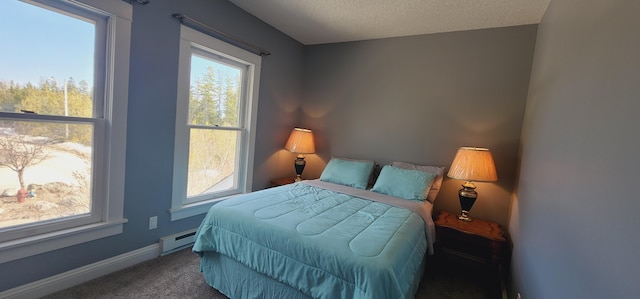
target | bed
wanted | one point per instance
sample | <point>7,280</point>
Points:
<point>329,238</point>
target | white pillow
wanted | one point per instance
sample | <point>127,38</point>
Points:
<point>432,192</point>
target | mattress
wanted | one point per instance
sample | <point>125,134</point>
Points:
<point>322,240</point>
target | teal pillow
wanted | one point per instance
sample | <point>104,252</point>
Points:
<point>404,183</point>
<point>353,173</point>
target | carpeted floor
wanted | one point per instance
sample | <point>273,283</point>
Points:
<point>178,276</point>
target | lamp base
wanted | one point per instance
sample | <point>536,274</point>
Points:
<point>467,196</point>
<point>299,164</point>
<point>464,216</point>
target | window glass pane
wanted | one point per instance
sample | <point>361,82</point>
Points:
<point>44,175</point>
<point>47,61</point>
<point>212,161</point>
<point>214,93</point>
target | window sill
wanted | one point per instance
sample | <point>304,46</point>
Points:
<point>195,208</point>
<point>17,249</point>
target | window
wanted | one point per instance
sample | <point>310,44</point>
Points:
<point>215,120</point>
<point>63,99</point>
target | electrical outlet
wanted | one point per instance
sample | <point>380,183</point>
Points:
<point>153,222</point>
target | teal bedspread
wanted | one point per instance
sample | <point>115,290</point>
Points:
<point>324,243</point>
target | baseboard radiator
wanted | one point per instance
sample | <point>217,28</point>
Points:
<point>177,241</point>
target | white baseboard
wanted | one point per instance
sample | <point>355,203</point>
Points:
<point>83,274</point>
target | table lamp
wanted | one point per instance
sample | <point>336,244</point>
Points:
<point>471,164</point>
<point>300,142</point>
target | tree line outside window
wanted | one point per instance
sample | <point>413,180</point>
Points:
<point>213,103</point>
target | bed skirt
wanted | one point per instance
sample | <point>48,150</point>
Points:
<point>237,281</point>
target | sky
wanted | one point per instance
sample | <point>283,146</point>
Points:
<point>200,64</point>
<point>39,44</point>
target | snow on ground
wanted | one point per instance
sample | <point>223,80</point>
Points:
<point>61,163</point>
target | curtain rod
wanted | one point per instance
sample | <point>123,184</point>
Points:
<point>190,22</point>
<point>143,2</point>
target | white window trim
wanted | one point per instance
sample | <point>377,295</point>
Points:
<point>188,37</point>
<point>116,97</point>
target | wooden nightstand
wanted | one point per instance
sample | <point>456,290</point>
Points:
<point>478,240</point>
<point>282,181</point>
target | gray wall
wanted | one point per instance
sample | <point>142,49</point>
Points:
<point>418,99</point>
<point>575,221</point>
<point>151,121</point>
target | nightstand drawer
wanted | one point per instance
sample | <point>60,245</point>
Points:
<point>469,246</point>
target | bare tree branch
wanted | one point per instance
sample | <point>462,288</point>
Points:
<point>18,152</point>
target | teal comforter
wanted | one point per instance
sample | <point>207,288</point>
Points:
<point>324,243</point>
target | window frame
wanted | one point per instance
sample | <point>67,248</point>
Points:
<point>110,116</point>
<point>190,39</point>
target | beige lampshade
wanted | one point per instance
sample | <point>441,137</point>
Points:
<point>301,142</point>
<point>473,164</point>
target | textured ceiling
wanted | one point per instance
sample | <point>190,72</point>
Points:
<point>329,21</point>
